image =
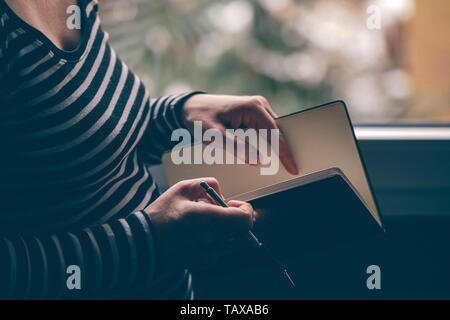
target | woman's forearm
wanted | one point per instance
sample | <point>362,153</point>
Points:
<point>119,254</point>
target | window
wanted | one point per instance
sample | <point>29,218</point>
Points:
<point>389,60</point>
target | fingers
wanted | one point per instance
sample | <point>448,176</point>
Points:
<point>192,190</point>
<point>270,110</point>
<point>236,218</point>
<point>265,120</point>
<point>245,206</point>
<point>250,154</point>
<point>286,157</point>
<point>213,226</point>
<point>244,151</point>
<point>256,113</point>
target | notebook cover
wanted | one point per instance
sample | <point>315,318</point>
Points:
<point>323,213</point>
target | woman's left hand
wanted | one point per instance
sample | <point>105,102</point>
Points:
<point>222,112</point>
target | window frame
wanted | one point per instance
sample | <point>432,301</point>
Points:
<point>408,166</point>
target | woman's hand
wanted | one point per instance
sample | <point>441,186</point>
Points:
<point>222,112</point>
<point>189,229</point>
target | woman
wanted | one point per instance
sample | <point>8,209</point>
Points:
<point>77,132</point>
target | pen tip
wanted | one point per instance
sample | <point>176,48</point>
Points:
<point>289,278</point>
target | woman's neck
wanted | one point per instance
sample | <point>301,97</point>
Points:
<point>51,18</point>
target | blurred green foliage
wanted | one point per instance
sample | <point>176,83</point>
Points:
<point>296,53</point>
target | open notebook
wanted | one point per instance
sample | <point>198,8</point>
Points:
<point>324,147</point>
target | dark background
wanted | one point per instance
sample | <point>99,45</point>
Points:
<point>413,258</point>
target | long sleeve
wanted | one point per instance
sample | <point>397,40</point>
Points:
<point>111,256</point>
<point>165,116</point>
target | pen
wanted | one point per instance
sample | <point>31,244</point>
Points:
<point>250,235</point>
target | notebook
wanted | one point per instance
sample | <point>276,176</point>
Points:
<point>324,147</point>
<point>330,202</point>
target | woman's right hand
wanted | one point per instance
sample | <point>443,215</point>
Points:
<point>189,229</point>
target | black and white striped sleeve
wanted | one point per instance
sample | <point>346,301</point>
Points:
<point>111,256</point>
<point>166,115</point>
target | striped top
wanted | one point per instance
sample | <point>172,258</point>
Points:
<point>78,131</point>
